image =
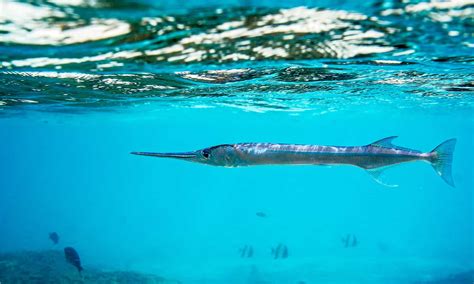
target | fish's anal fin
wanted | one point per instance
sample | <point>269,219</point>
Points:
<point>378,175</point>
<point>387,143</point>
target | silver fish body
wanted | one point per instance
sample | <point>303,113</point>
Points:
<point>373,157</point>
<point>367,157</point>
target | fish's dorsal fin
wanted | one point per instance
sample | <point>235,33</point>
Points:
<point>378,175</point>
<point>387,143</point>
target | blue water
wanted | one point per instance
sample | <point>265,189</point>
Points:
<point>74,104</point>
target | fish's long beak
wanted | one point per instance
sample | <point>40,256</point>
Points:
<point>183,155</point>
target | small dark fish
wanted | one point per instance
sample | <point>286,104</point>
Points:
<point>354,241</point>
<point>246,251</point>
<point>54,237</point>
<point>73,258</point>
<point>345,241</point>
<point>281,251</point>
<point>243,251</point>
<point>276,251</point>
<point>284,253</point>
<point>261,214</point>
<point>349,241</point>
<point>250,252</point>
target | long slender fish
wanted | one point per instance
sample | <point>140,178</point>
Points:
<point>374,157</point>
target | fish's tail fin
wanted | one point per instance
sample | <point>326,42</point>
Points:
<point>442,159</point>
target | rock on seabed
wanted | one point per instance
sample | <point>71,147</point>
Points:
<point>51,267</point>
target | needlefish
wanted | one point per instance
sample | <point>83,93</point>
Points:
<point>374,157</point>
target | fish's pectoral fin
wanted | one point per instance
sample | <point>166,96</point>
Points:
<point>378,174</point>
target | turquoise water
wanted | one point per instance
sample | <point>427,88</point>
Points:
<point>83,84</point>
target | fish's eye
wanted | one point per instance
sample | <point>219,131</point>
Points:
<point>206,153</point>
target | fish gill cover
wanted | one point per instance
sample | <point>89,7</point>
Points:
<point>71,56</point>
